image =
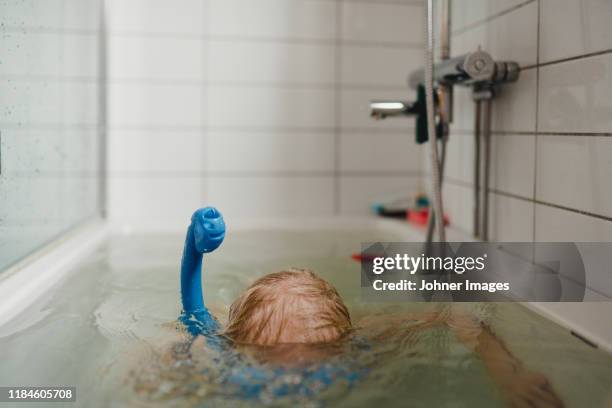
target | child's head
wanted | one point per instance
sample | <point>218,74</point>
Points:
<point>292,306</point>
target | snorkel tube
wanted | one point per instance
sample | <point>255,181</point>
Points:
<point>205,234</point>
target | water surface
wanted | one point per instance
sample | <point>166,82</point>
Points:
<point>110,330</point>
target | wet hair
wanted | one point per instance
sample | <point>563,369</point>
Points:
<point>291,306</point>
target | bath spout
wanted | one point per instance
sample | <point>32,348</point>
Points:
<point>383,109</point>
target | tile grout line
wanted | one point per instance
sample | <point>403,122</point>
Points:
<point>305,129</point>
<point>568,59</point>
<point>300,130</point>
<point>574,210</point>
<point>389,2</point>
<point>243,173</point>
<point>168,81</point>
<point>465,184</point>
<point>213,37</point>
<point>537,125</point>
<point>102,127</point>
<point>488,19</point>
<point>337,105</point>
<point>203,185</point>
<point>195,128</point>
<point>240,38</point>
<point>466,132</point>
<point>261,84</point>
<point>575,57</point>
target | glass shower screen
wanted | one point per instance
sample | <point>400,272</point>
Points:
<point>51,120</point>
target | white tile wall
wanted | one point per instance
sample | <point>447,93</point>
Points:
<point>378,160</point>
<point>460,158</point>
<point>380,66</point>
<point>584,165</point>
<point>515,106</point>
<point>272,196</point>
<point>463,109</point>
<point>512,166</point>
<point>371,22</point>
<point>151,58</point>
<point>558,225</point>
<point>551,129</point>
<point>513,163</point>
<point>79,56</point>
<point>245,107</point>
<point>156,16</point>
<point>280,19</point>
<point>570,28</point>
<point>469,12</point>
<point>511,219</point>
<point>380,152</point>
<point>156,152</point>
<point>575,97</point>
<point>154,104</point>
<point>278,90</point>
<point>510,36</point>
<point>156,201</point>
<point>271,62</point>
<point>270,151</point>
<point>258,107</point>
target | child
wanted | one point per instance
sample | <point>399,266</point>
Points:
<point>294,309</point>
<point>292,306</point>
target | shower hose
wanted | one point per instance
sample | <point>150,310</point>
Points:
<point>436,179</point>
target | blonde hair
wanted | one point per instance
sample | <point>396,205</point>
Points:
<point>291,306</point>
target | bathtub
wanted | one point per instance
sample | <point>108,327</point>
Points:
<point>98,311</point>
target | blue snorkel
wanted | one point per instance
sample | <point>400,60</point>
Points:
<point>205,234</point>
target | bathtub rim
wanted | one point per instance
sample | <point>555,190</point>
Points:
<point>26,281</point>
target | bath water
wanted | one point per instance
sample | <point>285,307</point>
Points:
<point>110,330</point>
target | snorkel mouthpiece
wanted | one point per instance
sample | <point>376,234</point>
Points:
<point>208,229</point>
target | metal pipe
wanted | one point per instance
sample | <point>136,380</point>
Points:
<point>445,29</point>
<point>445,91</point>
<point>445,99</point>
<point>487,167</point>
<point>477,105</point>
<point>431,124</point>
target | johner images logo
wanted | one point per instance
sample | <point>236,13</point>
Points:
<point>478,272</point>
